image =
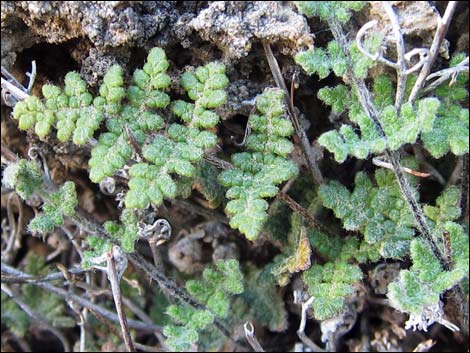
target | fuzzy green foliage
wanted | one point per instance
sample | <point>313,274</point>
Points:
<point>406,127</point>
<point>331,284</point>
<point>258,172</point>
<point>71,110</point>
<point>130,114</point>
<point>207,184</point>
<point>13,317</point>
<point>45,304</point>
<point>59,204</point>
<point>214,291</point>
<point>322,61</point>
<point>378,212</point>
<point>419,289</point>
<point>24,176</point>
<point>326,10</point>
<point>333,247</point>
<point>450,132</point>
<point>446,209</point>
<point>97,247</point>
<point>127,232</point>
<point>277,226</point>
<point>184,147</point>
<point>441,122</point>
<point>263,301</point>
<point>127,122</point>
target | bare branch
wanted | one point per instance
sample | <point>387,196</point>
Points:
<point>434,51</point>
<point>401,62</point>
<point>251,338</point>
<point>380,163</point>
<point>464,188</point>
<point>12,90</point>
<point>137,325</point>
<point>423,54</point>
<point>117,263</point>
<point>32,77</point>
<point>245,136</point>
<point>444,75</point>
<point>15,91</point>
<point>424,346</point>
<point>301,331</point>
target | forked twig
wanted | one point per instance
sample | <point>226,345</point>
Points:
<point>12,90</point>
<point>434,51</point>
<point>251,338</point>
<point>303,322</point>
<point>445,74</point>
<point>116,265</point>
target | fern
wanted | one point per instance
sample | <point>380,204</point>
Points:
<point>296,253</point>
<point>185,145</point>
<point>399,129</point>
<point>339,10</point>
<point>450,131</point>
<point>24,177</point>
<point>418,290</point>
<point>61,203</point>
<point>378,212</point>
<point>258,172</point>
<point>330,284</point>
<point>130,114</point>
<point>213,290</point>
<point>206,183</point>
<point>441,122</point>
<point>263,301</point>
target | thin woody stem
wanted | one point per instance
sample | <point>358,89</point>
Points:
<point>114,280</point>
<point>138,325</point>
<point>434,51</point>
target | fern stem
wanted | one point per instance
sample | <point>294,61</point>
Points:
<point>464,188</point>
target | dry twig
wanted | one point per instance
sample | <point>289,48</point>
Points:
<point>303,322</point>
<point>251,338</point>
<point>434,51</point>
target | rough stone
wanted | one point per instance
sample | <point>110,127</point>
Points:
<point>234,26</point>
